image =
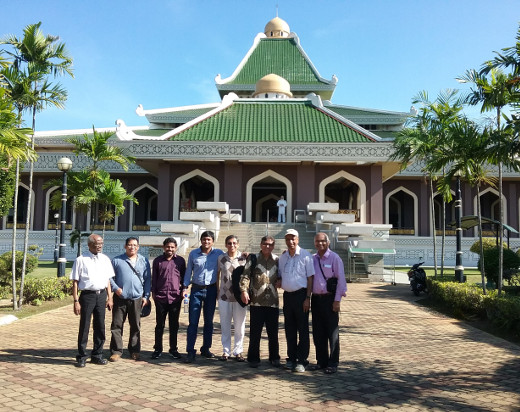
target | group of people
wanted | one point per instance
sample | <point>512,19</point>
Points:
<point>125,285</point>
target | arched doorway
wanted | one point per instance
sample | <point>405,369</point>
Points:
<point>401,212</point>
<point>191,188</point>
<point>146,210</point>
<point>262,193</point>
<point>347,190</point>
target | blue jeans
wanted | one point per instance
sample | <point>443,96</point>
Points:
<point>205,300</point>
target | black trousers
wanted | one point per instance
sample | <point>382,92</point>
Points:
<point>93,305</point>
<point>172,310</point>
<point>122,309</point>
<point>296,326</point>
<point>325,330</point>
<point>258,317</point>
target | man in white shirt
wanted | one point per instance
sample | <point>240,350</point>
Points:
<point>282,204</point>
<point>91,274</point>
<point>296,270</point>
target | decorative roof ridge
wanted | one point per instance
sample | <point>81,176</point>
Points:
<point>140,111</point>
<point>261,36</point>
<point>226,102</point>
<point>328,103</point>
<point>56,133</point>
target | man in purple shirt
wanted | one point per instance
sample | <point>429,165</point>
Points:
<point>167,275</point>
<point>326,305</point>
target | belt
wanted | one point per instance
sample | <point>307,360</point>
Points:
<point>322,295</point>
<point>302,290</point>
<point>194,285</point>
<point>97,292</point>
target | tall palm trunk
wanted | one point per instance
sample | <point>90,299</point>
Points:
<point>28,217</point>
<point>501,219</point>
<point>433,224</point>
<point>13,245</point>
<point>482,265</point>
<point>443,239</point>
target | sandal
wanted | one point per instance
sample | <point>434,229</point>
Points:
<point>224,357</point>
<point>314,367</point>
<point>329,370</point>
<point>239,358</point>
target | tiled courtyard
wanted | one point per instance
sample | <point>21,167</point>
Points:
<point>395,355</point>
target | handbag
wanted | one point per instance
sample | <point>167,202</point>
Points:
<point>146,309</point>
<point>332,283</point>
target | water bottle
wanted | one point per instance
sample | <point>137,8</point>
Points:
<point>186,302</point>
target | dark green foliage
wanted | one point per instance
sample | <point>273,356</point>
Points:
<point>6,275</point>
<point>7,178</point>
<point>511,264</point>
<point>488,242</point>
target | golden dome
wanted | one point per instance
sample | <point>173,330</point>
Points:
<point>277,28</point>
<point>272,83</point>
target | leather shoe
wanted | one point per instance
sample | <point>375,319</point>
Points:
<point>80,363</point>
<point>190,358</point>
<point>135,356</point>
<point>114,357</point>
<point>207,354</point>
<point>98,361</point>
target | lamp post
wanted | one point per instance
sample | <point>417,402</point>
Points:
<point>459,268</point>
<point>64,164</point>
<point>57,219</point>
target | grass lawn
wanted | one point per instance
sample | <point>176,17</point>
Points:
<point>472,275</point>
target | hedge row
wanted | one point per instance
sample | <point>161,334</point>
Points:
<point>38,290</point>
<point>468,300</point>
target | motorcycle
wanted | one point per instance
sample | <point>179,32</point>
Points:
<point>417,278</point>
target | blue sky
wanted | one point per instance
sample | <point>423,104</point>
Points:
<point>167,53</point>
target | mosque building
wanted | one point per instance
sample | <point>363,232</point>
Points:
<point>276,132</point>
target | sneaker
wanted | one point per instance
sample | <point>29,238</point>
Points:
<point>156,354</point>
<point>114,357</point>
<point>190,358</point>
<point>207,354</point>
<point>175,354</point>
<point>135,356</point>
<point>299,368</point>
<point>289,365</point>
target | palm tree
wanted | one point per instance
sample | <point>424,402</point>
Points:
<point>463,155</point>
<point>425,134</point>
<point>37,56</point>
<point>96,148</point>
<point>14,148</point>
<point>493,94</point>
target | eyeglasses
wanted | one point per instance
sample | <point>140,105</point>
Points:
<point>268,244</point>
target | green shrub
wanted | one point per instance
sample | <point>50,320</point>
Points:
<point>6,274</point>
<point>511,263</point>
<point>488,242</point>
<point>462,298</point>
<point>46,289</point>
<point>504,312</point>
<point>468,300</point>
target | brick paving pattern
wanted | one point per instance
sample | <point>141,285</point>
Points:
<point>395,355</point>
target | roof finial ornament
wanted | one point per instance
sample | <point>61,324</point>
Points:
<point>276,9</point>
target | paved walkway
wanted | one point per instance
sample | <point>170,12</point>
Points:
<point>395,355</point>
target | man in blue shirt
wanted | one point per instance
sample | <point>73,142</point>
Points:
<point>131,288</point>
<point>201,273</point>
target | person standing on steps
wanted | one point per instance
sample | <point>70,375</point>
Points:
<point>281,204</point>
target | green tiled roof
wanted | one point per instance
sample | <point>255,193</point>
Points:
<point>278,56</point>
<point>151,132</point>
<point>271,121</point>
<point>350,112</point>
